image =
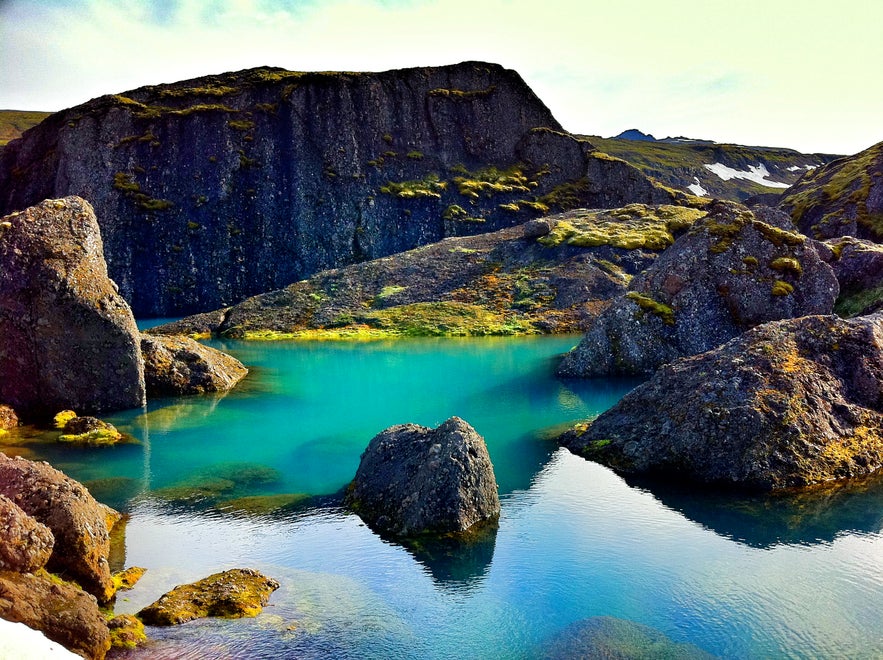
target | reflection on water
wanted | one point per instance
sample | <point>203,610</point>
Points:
<point>742,577</point>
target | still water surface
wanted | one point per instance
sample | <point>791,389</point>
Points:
<point>738,577</point>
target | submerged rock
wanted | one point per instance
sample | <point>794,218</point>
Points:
<point>414,480</point>
<point>67,338</point>
<point>78,523</point>
<point>61,611</point>
<point>175,366</point>
<point>25,544</point>
<point>239,592</point>
<point>733,270</point>
<point>609,638</point>
<point>789,403</point>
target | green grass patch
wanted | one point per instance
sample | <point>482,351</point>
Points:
<point>429,186</point>
<point>646,303</point>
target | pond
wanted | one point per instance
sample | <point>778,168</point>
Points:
<point>253,479</point>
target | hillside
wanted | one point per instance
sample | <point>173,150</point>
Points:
<point>15,122</point>
<point>844,198</point>
<point>701,167</point>
<point>215,189</point>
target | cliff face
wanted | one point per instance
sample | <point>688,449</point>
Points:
<point>214,189</point>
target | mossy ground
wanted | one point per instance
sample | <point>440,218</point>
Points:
<point>15,122</point>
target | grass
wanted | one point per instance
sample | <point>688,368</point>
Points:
<point>430,186</point>
<point>15,122</point>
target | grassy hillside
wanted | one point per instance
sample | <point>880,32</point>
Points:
<point>15,122</point>
<point>681,164</point>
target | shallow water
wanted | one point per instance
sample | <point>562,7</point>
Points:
<point>739,577</point>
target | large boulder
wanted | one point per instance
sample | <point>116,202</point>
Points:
<point>61,611</point>
<point>733,270</point>
<point>240,592</point>
<point>78,522</point>
<point>8,418</point>
<point>789,403</point>
<point>25,544</point>
<point>414,480</point>
<point>67,338</point>
<point>175,366</point>
<point>858,266</point>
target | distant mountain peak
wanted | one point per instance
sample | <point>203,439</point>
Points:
<point>635,134</point>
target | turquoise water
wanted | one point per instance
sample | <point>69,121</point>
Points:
<point>739,577</point>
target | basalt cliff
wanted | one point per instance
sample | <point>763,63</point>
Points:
<point>218,188</point>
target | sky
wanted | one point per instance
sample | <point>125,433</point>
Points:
<point>802,74</point>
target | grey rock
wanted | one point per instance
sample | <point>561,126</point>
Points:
<point>733,270</point>
<point>789,403</point>
<point>414,480</point>
<point>67,338</point>
<point>176,366</point>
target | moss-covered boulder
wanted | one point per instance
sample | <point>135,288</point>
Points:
<point>67,337</point>
<point>732,270</point>
<point>78,523</point>
<point>89,431</point>
<point>126,632</point>
<point>176,366</point>
<point>789,403</point>
<point>25,544</point>
<point>609,638</point>
<point>236,593</point>
<point>842,198</point>
<point>414,480</point>
<point>858,266</point>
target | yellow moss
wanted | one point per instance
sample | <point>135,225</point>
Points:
<point>781,288</point>
<point>125,580</point>
<point>62,418</point>
<point>664,312</point>
<point>787,264</point>
<point>126,632</point>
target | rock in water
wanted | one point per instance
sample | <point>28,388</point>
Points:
<point>25,544</point>
<point>67,338</point>
<point>77,521</point>
<point>414,480</point>
<point>58,609</point>
<point>789,403</point>
<point>731,271</point>
<point>235,593</point>
<point>174,366</point>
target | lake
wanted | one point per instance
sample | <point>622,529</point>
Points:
<point>740,577</point>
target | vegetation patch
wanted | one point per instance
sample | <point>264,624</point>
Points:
<point>787,265</point>
<point>461,94</point>
<point>646,303</point>
<point>782,288</point>
<point>430,186</point>
<point>854,304</point>
<point>492,181</point>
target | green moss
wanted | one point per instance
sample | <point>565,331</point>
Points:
<point>646,303</point>
<point>750,262</point>
<point>434,319</point>
<point>61,419</point>
<point>146,203</point>
<point>787,265</point>
<point>492,181</point>
<point>126,632</point>
<point>778,237</point>
<point>127,579</point>
<point>124,182</point>
<point>241,124</point>
<point>853,304</point>
<point>193,226</point>
<point>430,186</point>
<point>457,213</point>
<point>264,504</point>
<point>94,438</point>
<point>781,288</point>
<point>415,155</point>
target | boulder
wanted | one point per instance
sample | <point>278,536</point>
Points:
<point>78,522</point>
<point>175,366</point>
<point>609,638</point>
<point>413,480</point>
<point>858,265</point>
<point>8,418</point>
<point>787,404</point>
<point>25,544</point>
<point>89,431</point>
<point>67,338</point>
<point>61,611</point>
<point>126,632</point>
<point>239,592</point>
<point>733,270</point>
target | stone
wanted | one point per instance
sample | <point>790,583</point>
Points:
<point>89,431</point>
<point>8,418</point>
<point>413,480</point>
<point>25,544</point>
<point>61,611</point>
<point>789,403</point>
<point>609,638</point>
<point>733,270</point>
<point>240,592</point>
<point>78,523</point>
<point>858,266</point>
<point>67,338</point>
<point>126,632</point>
<point>176,366</point>
<point>536,228</point>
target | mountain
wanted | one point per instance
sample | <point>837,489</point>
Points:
<point>215,189</point>
<point>843,198</point>
<point>635,134</point>
<point>709,169</point>
<point>15,122</point>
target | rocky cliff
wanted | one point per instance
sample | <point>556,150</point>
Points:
<point>214,189</point>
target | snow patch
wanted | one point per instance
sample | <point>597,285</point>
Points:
<point>23,643</point>
<point>696,188</point>
<point>796,168</point>
<point>756,173</point>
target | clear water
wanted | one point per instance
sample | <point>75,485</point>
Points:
<point>739,577</point>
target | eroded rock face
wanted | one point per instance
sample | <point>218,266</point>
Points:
<point>733,270</point>
<point>59,610</point>
<point>8,418</point>
<point>788,403</point>
<point>175,366</point>
<point>413,480</point>
<point>78,523</point>
<point>25,544</point>
<point>235,593</point>
<point>67,338</point>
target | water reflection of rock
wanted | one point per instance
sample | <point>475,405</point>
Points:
<point>809,516</point>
